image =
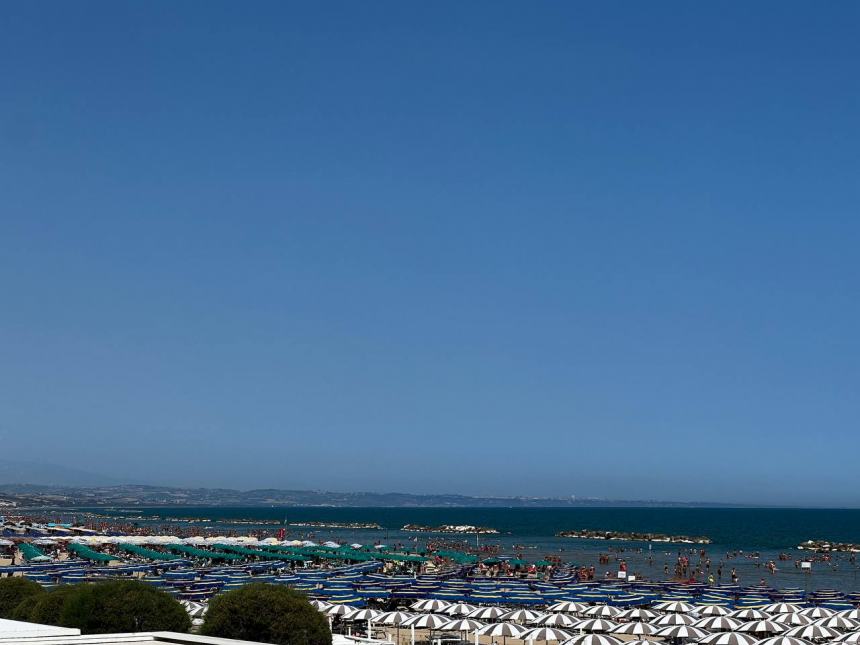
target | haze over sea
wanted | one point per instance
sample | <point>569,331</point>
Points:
<point>766,531</point>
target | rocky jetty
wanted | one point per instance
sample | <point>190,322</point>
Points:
<point>449,528</point>
<point>825,546</point>
<point>338,525</point>
<point>588,534</point>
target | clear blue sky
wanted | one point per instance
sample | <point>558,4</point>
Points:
<point>603,249</point>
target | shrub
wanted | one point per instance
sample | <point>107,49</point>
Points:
<point>46,608</point>
<point>113,606</point>
<point>13,591</point>
<point>268,614</point>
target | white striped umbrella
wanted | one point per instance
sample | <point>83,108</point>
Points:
<point>782,640</point>
<point>568,606</point>
<point>459,609</point>
<point>545,634</point>
<point>521,615</point>
<point>792,620</point>
<point>814,632</point>
<point>637,613</point>
<point>712,610</point>
<point>851,614</point>
<point>675,606</point>
<point>727,638</point>
<point>841,623</point>
<point>462,625</point>
<point>430,604</point>
<point>762,628</point>
<point>602,611</point>
<point>782,608</point>
<point>363,614</point>
<point>668,620</point>
<point>339,610</point>
<point>644,641</point>
<point>637,628</point>
<point>556,620</point>
<point>717,623</point>
<point>487,613</point>
<point>320,605</point>
<point>817,612</point>
<point>748,614</point>
<point>426,621</point>
<point>592,639</point>
<point>393,618</point>
<point>505,630</point>
<point>595,625</point>
<point>851,638</point>
<point>681,633</point>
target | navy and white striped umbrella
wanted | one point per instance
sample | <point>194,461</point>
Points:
<point>430,604</point>
<point>363,614</point>
<point>393,618</point>
<point>782,608</point>
<point>851,614</point>
<point>749,614</point>
<point>727,638</point>
<point>814,633</point>
<point>427,621</point>
<point>712,610</point>
<point>668,620</point>
<point>320,605</point>
<point>817,612</point>
<point>637,613</point>
<point>506,630</point>
<point>487,613</point>
<point>521,616</point>
<point>545,634</point>
<point>782,640</point>
<point>839,622</point>
<point>762,627</point>
<point>462,625</point>
<point>602,611</point>
<point>339,610</point>
<point>592,639</point>
<point>459,609</point>
<point>568,606</point>
<point>718,623</point>
<point>637,628</point>
<point>556,620</point>
<point>681,633</point>
<point>851,638</point>
<point>675,606</point>
<point>792,620</point>
<point>595,625</point>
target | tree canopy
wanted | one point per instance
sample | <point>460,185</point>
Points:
<point>13,591</point>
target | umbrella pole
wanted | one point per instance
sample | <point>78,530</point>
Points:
<point>412,627</point>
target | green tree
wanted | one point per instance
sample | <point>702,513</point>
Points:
<point>268,614</point>
<point>114,606</point>
<point>46,608</point>
<point>13,591</point>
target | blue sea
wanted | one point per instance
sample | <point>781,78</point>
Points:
<point>742,538</point>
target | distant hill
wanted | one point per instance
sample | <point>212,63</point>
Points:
<point>140,495</point>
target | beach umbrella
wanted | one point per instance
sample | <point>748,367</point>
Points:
<point>717,623</point>
<point>727,638</point>
<point>462,625</point>
<point>555,620</point>
<point>762,628</point>
<point>712,610</point>
<point>320,605</point>
<point>681,633</point>
<point>637,628</point>
<point>459,609</point>
<point>852,614</point>
<point>487,613</point>
<point>592,639</point>
<point>749,614</point>
<point>792,620</point>
<point>396,618</point>
<point>505,630</point>
<point>675,606</point>
<point>602,611</point>
<point>545,634</point>
<point>569,607</point>
<point>782,640</point>
<point>781,608</point>
<point>363,614</point>
<point>814,632</point>
<point>637,613</point>
<point>817,612</point>
<point>426,621</point>
<point>852,638</point>
<point>643,641</point>
<point>339,610</point>
<point>667,620</point>
<point>595,626</point>
<point>521,616</point>
<point>431,605</point>
<point>838,621</point>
